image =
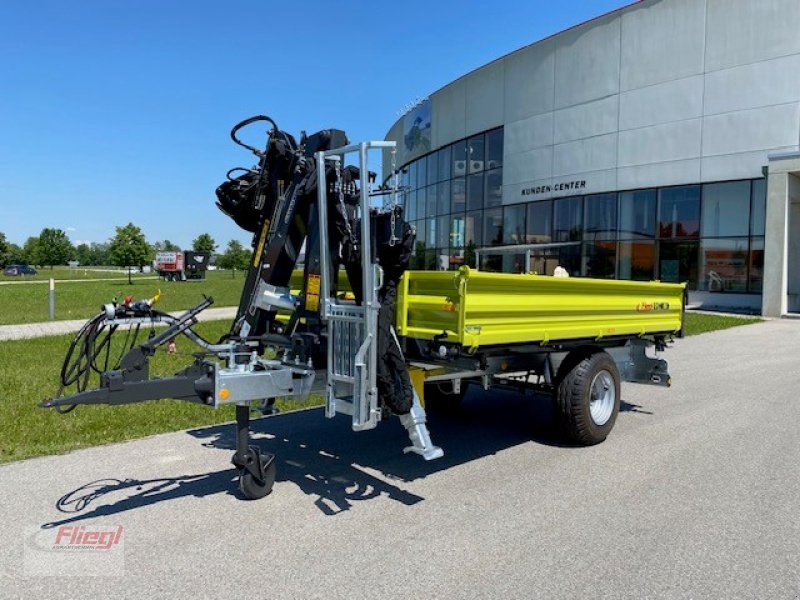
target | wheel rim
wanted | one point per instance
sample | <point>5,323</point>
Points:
<point>603,397</point>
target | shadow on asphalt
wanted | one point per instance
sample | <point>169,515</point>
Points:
<point>331,463</point>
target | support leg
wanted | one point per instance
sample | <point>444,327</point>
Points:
<point>256,470</point>
<point>414,422</point>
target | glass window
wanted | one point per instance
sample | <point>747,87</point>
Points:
<point>539,222</point>
<point>475,192</point>
<point>443,232</point>
<point>492,263</point>
<point>470,257</point>
<point>758,212</point>
<point>756,264</point>
<point>514,224</point>
<point>513,263</point>
<point>404,177</point>
<point>422,172</point>
<point>457,231</point>
<point>475,154</point>
<point>459,159</point>
<point>493,227</point>
<point>567,219</point>
<point>679,212</point>
<point>443,198</point>
<point>410,209</point>
<point>494,188</point>
<point>569,257</point>
<point>677,262</point>
<point>473,229</point>
<point>458,195</point>
<point>637,260</point>
<point>494,149</point>
<point>600,259</point>
<point>457,258</point>
<point>544,260</point>
<point>726,209</point>
<point>421,233</point>
<point>430,232</point>
<point>412,175</point>
<point>600,217</point>
<point>433,168</point>
<point>431,209</point>
<point>445,162</point>
<point>431,259</point>
<point>417,261</point>
<point>637,214</point>
<point>723,265</point>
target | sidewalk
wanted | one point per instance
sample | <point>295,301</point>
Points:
<point>34,330</point>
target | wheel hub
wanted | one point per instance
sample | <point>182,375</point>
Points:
<point>603,397</point>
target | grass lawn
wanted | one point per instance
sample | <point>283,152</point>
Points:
<point>29,371</point>
<point>80,273</point>
<point>697,323</point>
<point>81,299</point>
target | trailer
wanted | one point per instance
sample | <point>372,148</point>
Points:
<point>181,265</point>
<point>379,341</point>
<point>575,339</point>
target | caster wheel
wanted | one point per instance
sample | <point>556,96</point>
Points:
<point>251,487</point>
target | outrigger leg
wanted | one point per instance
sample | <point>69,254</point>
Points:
<point>414,422</point>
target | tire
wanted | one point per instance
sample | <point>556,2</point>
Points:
<point>252,488</point>
<point>440,399</point>
<point>587,397</point>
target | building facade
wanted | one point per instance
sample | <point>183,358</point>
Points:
<point>660,141</point>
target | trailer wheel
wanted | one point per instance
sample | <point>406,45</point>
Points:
<point>587,397</point>
<point>251,487</point>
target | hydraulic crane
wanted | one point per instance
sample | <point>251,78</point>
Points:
<point>299,194</point>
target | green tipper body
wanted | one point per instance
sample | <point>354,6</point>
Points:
<point>476,308</point>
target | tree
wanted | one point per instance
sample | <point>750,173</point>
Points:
<point>166,246</point>
<point>15,254</point>
<point>5,250</point>
<point>30,251</point>
<point>99,255</point>
<point>129,248</point>
<point>83,254</point>
<point>54,247</point>
<point>204,243</point>
<point>234,257</point>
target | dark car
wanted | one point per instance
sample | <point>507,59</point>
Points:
<point>12,270</point>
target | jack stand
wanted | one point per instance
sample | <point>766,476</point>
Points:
<point>414,422</point>
<point>256,470</point>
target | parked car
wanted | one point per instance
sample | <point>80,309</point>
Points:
<point>13,270</point>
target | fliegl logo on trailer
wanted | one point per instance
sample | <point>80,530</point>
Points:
<point>652,307</point>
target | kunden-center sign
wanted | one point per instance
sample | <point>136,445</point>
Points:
<point>566,186</point>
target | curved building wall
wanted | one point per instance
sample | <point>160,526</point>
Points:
<point>658,94</point>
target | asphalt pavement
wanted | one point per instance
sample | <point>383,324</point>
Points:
<point>693,495</point>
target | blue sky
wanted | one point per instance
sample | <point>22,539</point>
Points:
<point>118,111</point>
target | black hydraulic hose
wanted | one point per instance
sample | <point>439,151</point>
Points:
<point>247,122</point>
<point>229,174</point>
